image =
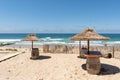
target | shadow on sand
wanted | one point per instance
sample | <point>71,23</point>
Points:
<point>106,69</point>
<point>41,57</point>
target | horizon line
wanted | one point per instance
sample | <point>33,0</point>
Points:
<point>53,33</point>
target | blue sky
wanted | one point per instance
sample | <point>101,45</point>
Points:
<point>59,16</point>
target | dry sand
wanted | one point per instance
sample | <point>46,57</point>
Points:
<point>55,67</point>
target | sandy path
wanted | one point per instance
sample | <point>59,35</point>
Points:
<point>53,67</point>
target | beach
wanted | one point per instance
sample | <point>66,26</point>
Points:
<point>59,40</point>
<point>58,59</point>
<point>57,66</point>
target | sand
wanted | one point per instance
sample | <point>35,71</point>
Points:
<point>55,67</point>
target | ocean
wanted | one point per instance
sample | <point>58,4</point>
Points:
<point>55,38</point>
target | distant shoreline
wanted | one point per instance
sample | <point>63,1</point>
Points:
<point>62,38</point>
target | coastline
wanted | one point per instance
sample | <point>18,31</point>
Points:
<point>56,66</point>
<point>113,50</point>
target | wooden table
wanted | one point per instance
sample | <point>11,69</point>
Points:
<point>93,65</point>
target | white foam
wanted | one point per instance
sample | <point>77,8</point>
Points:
<point>113,42</point>
<point>52,39</point>
<point>55,42</point>
<point>9,40</point>
<point>49,40</point>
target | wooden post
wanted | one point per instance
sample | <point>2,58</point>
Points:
<point>79,48</point>
<point>113,51</point>
<point>88,46</point>
<point>32,44</point>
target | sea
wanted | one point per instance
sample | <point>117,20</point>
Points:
<point>56,38</point>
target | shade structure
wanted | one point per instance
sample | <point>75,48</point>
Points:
<point>32,37</point>
<point>89,34</point>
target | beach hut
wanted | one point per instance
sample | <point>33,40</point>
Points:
<point>90,34</point>
<point>32,38</point>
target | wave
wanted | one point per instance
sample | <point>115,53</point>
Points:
<point>113,42</point>
<point>52,39</point>
<point>9,40</point>
<point>58,42</point>
<point>49,40</point>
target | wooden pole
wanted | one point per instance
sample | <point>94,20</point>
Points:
<point>32,50</point>
<point>32,44</point>
<point>88,42</point>
<point>79,48</point>
<point>113,51</point>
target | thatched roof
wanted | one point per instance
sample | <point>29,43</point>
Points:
<point>89,34</point>
<point>32,37</point>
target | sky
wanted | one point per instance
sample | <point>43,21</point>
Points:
<point>59,16</point>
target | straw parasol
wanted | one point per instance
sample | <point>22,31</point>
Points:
<point>32,37</point>
<point>88,34</point>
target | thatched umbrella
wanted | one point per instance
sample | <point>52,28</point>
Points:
<point>32,37</point>
<point>88,34</point>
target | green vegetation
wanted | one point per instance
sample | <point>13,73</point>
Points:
<point>11,50</point>
<point>3,44</point>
